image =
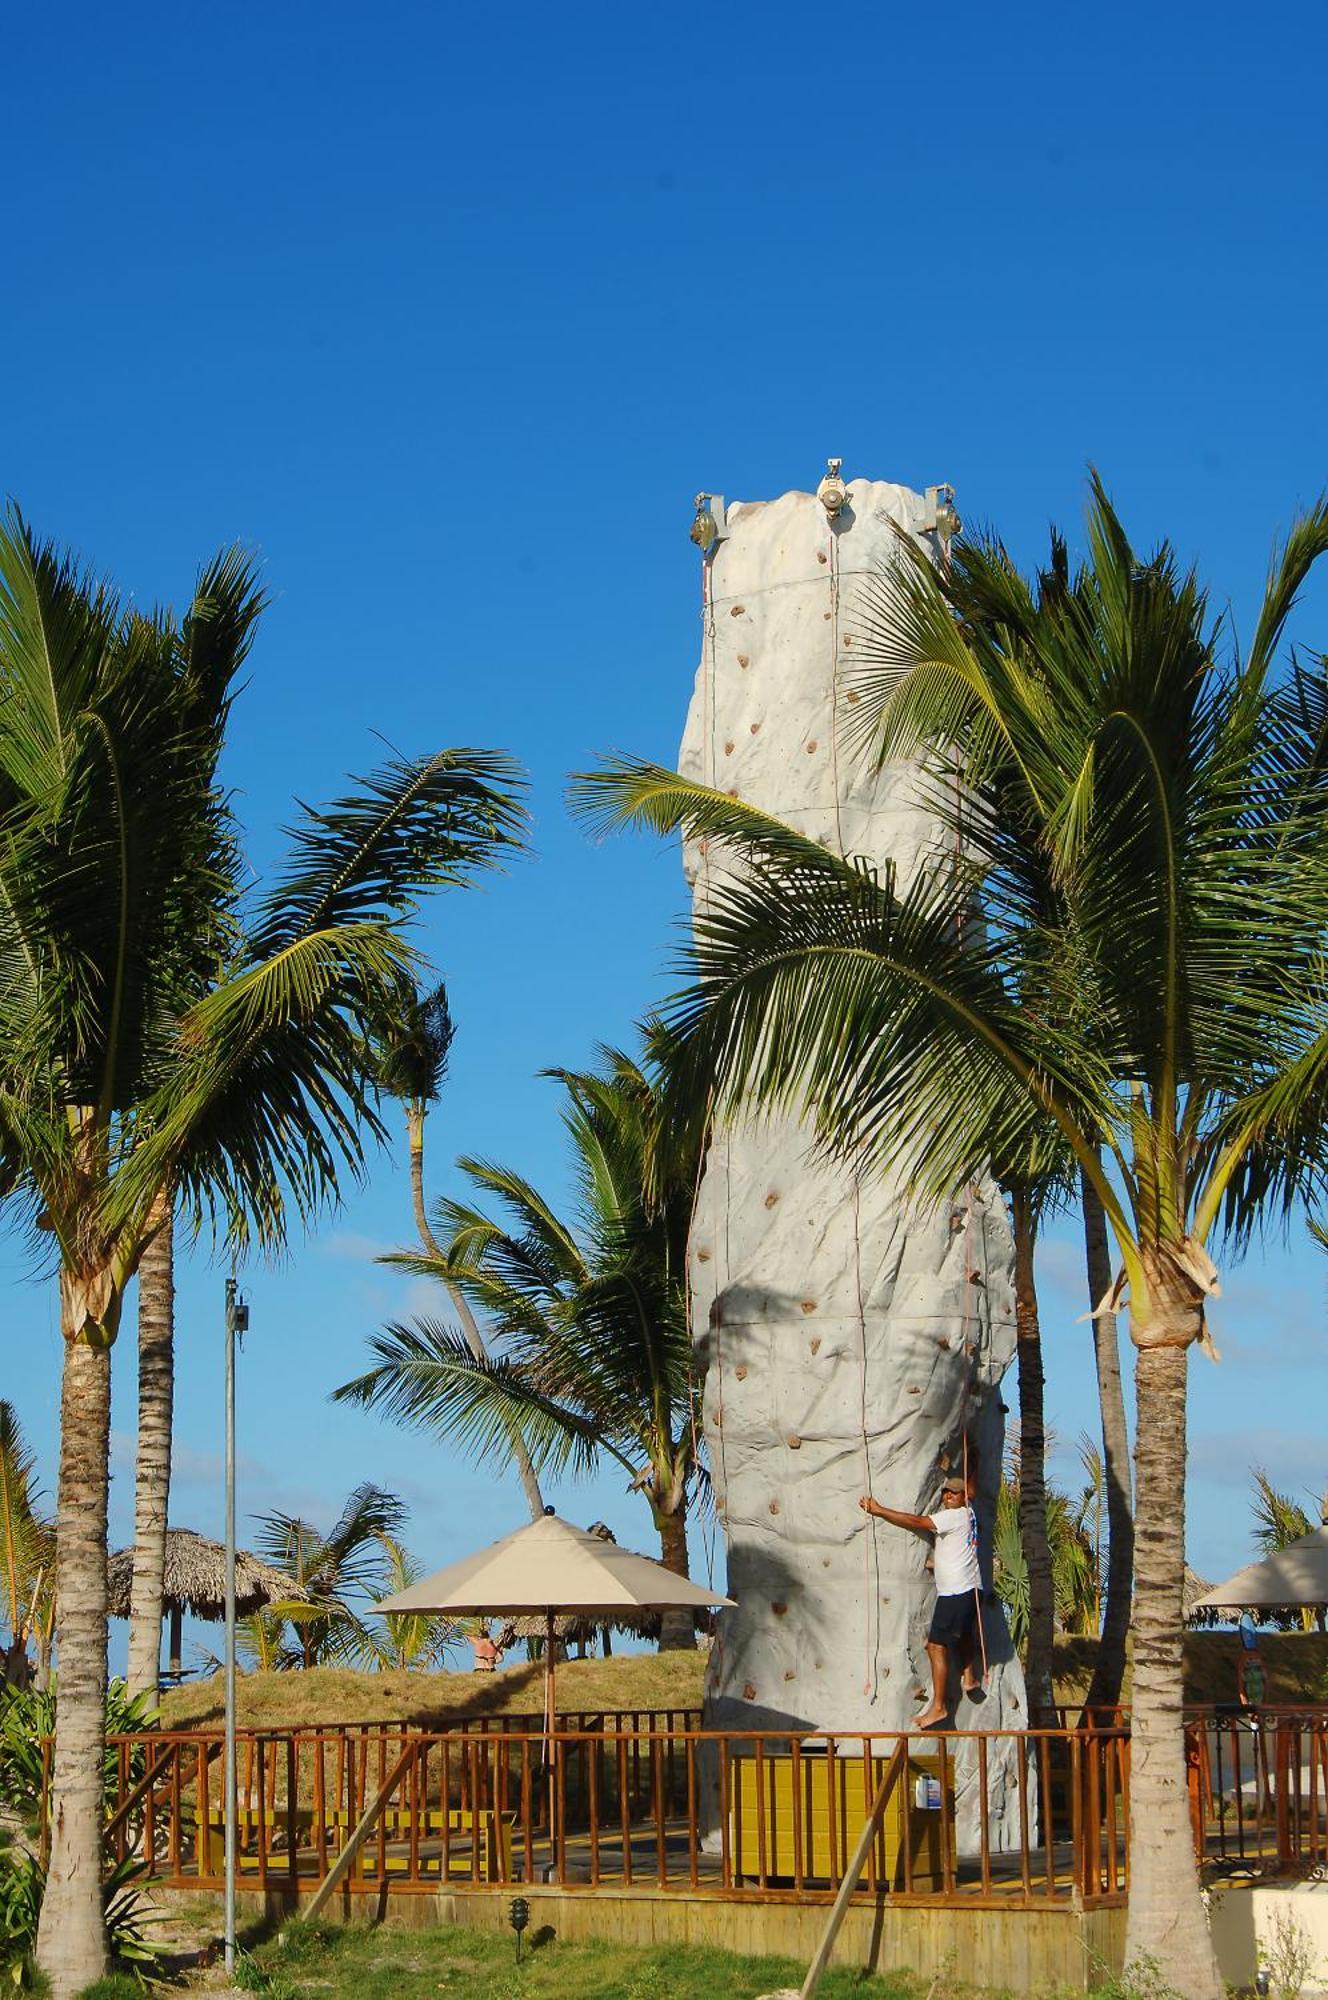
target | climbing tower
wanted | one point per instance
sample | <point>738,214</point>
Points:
<point>848,1342</point>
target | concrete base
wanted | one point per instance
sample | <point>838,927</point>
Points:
<point>1026,1951</point>
<point>1246,1919</point>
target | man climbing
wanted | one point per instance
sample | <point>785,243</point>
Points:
<point>958,1582</point>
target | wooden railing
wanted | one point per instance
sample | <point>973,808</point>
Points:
<point>672,1808</point>
<point>653,1801</point>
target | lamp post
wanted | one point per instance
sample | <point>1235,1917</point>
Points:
<point>237,1322</point>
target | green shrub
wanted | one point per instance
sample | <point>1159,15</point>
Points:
<point>27,1720</point>
<point>22,1881</point>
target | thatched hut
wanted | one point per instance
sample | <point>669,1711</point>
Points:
<point>195,1581</point>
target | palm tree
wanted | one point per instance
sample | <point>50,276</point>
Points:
<point>27,1552</point>
<point>355,1558</point>
<point>213,642</point>
<point>1175,794</point>
<point>1075,1582</point>
<point>413,1052</point>
<point>247,1102</point>
<point>1280,1520</point>
<point>589,1315</point>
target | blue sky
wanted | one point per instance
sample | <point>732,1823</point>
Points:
<point>448,312</point>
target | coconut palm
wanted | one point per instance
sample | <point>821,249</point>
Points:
<point>213,642</point>
<point>413,1051</point>
<point>1279,1520</point>
<point>355,1558</point>
<point>588,1315</point>
<point>1176,793</point>
<point>248,1102</point>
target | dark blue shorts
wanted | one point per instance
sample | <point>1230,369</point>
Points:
<point>953,1619</point>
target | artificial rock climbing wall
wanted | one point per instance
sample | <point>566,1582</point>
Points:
<point>847,1341</point>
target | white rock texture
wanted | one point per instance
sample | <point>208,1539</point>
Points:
<point>847,1341</point>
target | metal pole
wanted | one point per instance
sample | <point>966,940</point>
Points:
<point>233,1321</point>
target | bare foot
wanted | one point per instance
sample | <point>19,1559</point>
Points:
<point>932,1719</point>
<point>973,1685</point>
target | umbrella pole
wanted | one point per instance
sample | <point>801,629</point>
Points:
<point>550,1745</point>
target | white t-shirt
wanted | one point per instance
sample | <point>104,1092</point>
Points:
<point>956,1562</point>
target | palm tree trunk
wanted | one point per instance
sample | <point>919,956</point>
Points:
<point>71,1935</point>
<point>677,1628</point>
<point>152,1473</point>
<point>1109,1673</point>
<point>1166,1921</point>
<point>469,1324</point>
<point>1032,1465</point>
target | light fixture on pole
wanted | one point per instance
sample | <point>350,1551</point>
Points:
<point>237,1324</point>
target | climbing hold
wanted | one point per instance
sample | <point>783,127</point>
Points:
<point>811,747</point>
<point>809,1305</point>
<point>744,660</point>
<point>737,611</point>
<point>754,727</point>
<point>815,1344</point>
<point>778,1608</point>
<point>848,638</point>
<point>826,617</point>
<point>852,698</point>
<point>728,749</point>
<point>795,1442</point>
<point>748,1691</point>
<point>774,1506</point>
<point>789,1674</point>
<point>771,1199</point>
<point>941,1341</point>
<point>915,1390</point>
<point>741,1372</point>
<point>821,556</point>
<point>703,1256</point>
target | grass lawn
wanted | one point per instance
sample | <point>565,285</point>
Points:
<point>317,1963</point>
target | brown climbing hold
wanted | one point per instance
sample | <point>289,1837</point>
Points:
<point>789,1674</point>
<point>811,747</point>
<point>744,660</point>
<point>941,1341</point>
<point>826,616</point>
<point>848,638</point>
<point>703,1256</point>
<point>778,1608</point>
<point>748,1691</point>
<point>851,697</point>
<point>732,792</point>
<point>755,727</point>
<point>809,1305</point>
<point>737,610</point>
<point>741,1373</point>
<point>915,1390</point>
<point>821,556</point>
<point>815,1345</point>
<point>795,1442</point>
<point>728,749</point>
<point>771,1199</point>
<point>774,1506</point>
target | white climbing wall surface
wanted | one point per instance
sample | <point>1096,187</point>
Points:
<point>847,1341</point>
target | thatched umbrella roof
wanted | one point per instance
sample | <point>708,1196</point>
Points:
<point>196,1579</point>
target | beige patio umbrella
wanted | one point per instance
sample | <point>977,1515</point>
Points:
<point>547,1569</point>
<point>1293,1578</point>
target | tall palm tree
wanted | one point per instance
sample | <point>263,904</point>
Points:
<point>1177,794</point>
<point>213,643</point>
<point>413,1052</point>
<point>249,1101</point>
<point>589,1315</point>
